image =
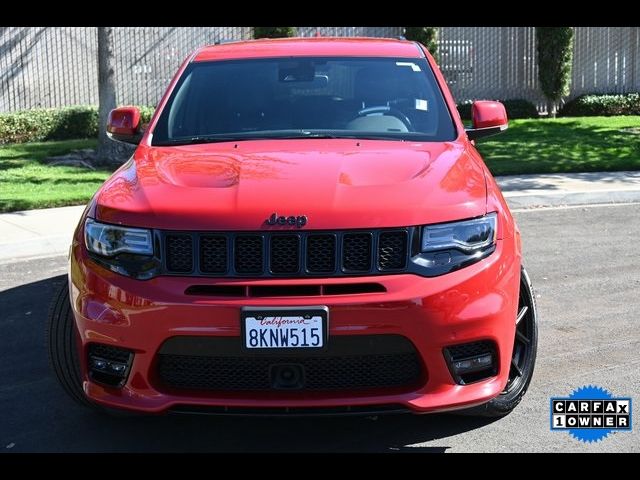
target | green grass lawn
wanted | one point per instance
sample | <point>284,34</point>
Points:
<point>580,144</point>
<point>26,183</point>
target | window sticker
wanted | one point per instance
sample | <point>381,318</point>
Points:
<point>414,67</point>
<point>422,105</point>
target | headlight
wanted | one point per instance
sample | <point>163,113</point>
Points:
<point>449,246</point>
<point>468,236</point>
<point>124,250</point>
<point>110,240</point>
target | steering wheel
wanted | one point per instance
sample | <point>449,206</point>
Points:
<point>387,110</point>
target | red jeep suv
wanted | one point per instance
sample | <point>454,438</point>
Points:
<point>305,227</point>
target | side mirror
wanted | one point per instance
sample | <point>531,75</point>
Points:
<point>123,125</point>
<point>488,118</point>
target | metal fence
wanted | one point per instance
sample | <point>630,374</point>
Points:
<point>501,62</point>
<point>57,66</point>
<point>490,63</point>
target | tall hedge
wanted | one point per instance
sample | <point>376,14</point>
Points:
<point>605,105</point>
<point>428,36</point>
<point>274,32</point>
<point>555,57</point>
<point>54,123</point>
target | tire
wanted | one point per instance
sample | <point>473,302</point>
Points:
<point>508,399</point>
<point>62,340</point>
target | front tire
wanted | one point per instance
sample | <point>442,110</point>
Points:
<point>63,340</point>
<point>523,357</point>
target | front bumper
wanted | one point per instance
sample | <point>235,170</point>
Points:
<point>478,302</point>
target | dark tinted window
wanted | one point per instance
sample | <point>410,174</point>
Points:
<point>391,98</point>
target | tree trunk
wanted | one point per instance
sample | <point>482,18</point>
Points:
<point>109,151</point>
<point>551,112</point>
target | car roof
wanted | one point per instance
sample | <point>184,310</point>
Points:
<point>312,46</point>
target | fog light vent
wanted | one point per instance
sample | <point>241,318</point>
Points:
<point>471,362</point>
<point>109,365</point>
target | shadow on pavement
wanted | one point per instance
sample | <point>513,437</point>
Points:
<point>38,416</point>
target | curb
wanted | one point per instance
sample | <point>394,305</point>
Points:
<point>35,248</point>
<point>517,200</point>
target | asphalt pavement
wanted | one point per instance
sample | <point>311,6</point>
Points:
<point>585,268</point>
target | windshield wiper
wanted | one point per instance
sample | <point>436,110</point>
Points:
<point>269,135</point>
<point>296,136</point>
<point>292,135</point>
<point>201,139</point>
<point>328,134</point>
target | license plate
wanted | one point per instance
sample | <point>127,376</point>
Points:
<point>284,328</point>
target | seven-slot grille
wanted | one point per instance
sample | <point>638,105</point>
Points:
<point>269,254</point>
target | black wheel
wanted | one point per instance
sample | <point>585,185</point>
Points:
<point>62,338</point>
<point>523,358</point>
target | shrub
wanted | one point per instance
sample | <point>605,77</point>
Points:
<point>273,32</point>
<point>146,113</point>
<point>54,123</point>
<point>464,109</point>
<point>555,57</point>
<point>516,108</point>
<point>427,36</point>
<point>605,105</point>
<point>48,124</point>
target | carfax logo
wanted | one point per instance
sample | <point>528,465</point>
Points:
<point>590,413</point>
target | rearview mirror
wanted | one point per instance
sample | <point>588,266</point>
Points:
<point>123,125</point>
<point>488,118</point>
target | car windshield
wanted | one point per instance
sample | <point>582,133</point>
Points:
<point>305,97</point>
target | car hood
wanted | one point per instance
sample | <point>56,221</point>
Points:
<point>339,183</point>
